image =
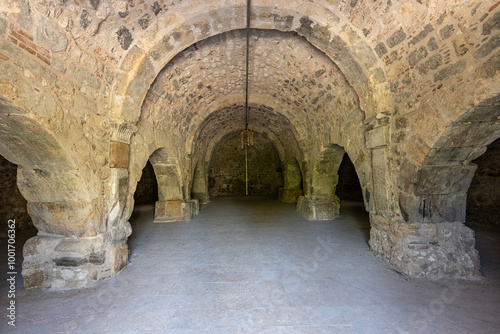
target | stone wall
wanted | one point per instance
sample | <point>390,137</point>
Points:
<point>12,203</point>
<point>227,170</point>
<point>147,187</point>
<point>483,198</point>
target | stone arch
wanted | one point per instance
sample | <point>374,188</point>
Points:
<point>173,194</point>
<point>142,64</point>
<point>76,246</point>
<point>432,201</point>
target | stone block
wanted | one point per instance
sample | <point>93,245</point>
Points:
<point>50,37</point>
<point>56,186</point>
<point>80,219</point>
<point>118,256</point>
<point>172,211</point>
<point>203,198</point>
<point>314,210</point>
<point>433,208</point>
<point>377,137</point>
<point>119,155</point>
<point>425,250</point>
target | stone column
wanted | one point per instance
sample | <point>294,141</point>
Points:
<point>292,184</point>
<point>200,185</point>
<point>171,205</point>
<point>79,241</point>
<point>320,202</point>
<point>429,238</point>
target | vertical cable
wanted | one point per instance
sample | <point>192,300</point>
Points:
<point>246,169</point>
<point>246,96</point>
<point>247,64</point>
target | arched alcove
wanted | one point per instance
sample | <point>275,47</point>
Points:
<point>483,209</point>
<point>147,187</point>
<point>348,186</point>
<point>229,168</point>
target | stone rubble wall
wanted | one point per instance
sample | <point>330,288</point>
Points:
<point>227,170</point>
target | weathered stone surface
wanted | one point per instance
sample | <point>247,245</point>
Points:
<point>80,219</point>
<point>489,68</point>
<point>421,35</point>
<point>428,250</point>
<point>492,24</point>
<point>124,37</point>
<point>396,38</point>
<point>416,56</point>
<point>50,37</point>
<point>118,255</point>
<point>314,210</point>
<point>447,31</point>
<point>119,157</point>
<point>289,195</point>
<point>450,70</point>
<point>431,64</point>
<point>3,26</point>
<point>172,211</point>
<point>378,136</point>
<point>380,49</point>
<point>488,47</point>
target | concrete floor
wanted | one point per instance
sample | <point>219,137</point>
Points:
<point>254,265</point>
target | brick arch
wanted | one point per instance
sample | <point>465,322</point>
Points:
<point>142,64</point>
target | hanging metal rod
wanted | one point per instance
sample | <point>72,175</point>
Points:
<point>247,65</point>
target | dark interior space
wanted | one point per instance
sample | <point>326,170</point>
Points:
<point>483,197</point>
<point>147,187</point>
<point>228,167</point>
<point>348,187</point>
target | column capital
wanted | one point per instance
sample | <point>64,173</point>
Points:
<point>121,130</point>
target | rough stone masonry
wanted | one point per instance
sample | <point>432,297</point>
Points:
<point>91,90</point>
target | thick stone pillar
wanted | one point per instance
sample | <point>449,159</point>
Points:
<point>173,205</point>
<point>74,245</point>
<point>292,190</point>
<point>320,201</point>
<point>82,236</point>
<point>429,238</point>
<point>200,185</point>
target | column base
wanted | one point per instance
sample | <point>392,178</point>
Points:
<point>289,195</point>
<point>174,211</point>
<point>203,198</point>
<point>59,262</point>
<point>425,250</point>
<point>316,210</point>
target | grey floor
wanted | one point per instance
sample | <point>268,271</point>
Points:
<point>254,265</point>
